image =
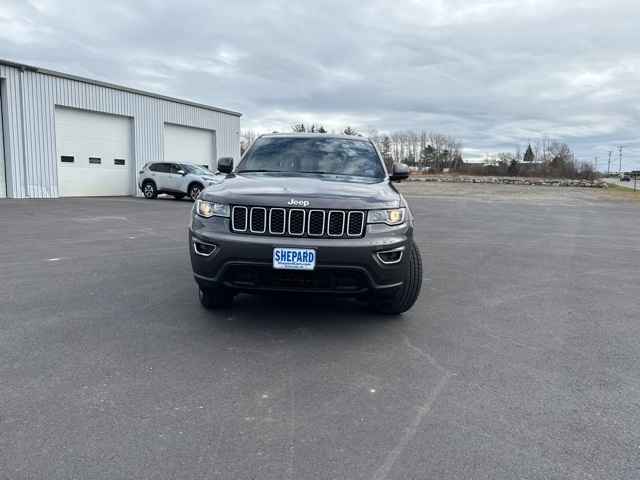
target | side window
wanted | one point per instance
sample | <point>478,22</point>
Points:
<point>174,168</point>
<point>158,167</point>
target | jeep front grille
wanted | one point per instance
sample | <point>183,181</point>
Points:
<point>298,222</point>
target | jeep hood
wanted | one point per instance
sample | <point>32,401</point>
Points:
<point>321,191</point>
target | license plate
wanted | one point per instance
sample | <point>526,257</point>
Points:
<point>294,258</point>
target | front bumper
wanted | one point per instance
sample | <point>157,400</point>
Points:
<point>343,266</point>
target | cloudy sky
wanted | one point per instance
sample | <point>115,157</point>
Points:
<point>495,73</point>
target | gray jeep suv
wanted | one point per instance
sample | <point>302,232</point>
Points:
<point>306,213</point>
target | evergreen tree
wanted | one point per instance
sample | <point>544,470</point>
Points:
<point>528,155</point>
<point>427,155</point>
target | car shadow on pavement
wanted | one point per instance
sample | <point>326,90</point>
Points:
<point>291,312</point>
<point>170,198</point>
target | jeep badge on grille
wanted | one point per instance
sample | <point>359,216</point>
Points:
<point>298,203</point>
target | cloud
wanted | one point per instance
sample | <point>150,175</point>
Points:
<point>495,73</point>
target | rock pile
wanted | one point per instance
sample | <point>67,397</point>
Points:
<point>543,182</point>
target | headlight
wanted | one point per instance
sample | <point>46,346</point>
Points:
<point>209,209</point>
<point>392,216</point>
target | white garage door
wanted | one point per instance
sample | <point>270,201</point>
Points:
<point>94,153</point>
<point>189,145</point>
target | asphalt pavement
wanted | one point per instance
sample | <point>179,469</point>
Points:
<point>520,359</point>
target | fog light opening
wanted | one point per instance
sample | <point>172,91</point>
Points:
<point>203,249</point>
<point>389,257</point>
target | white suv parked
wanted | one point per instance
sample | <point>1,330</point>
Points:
<point>177,179</point>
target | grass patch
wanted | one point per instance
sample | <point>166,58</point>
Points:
<point>623,193</point>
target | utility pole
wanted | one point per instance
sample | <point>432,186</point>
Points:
<point>620,150</point>
<point>595,164</point>
<point>609,166</point>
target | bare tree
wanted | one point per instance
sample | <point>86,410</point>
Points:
<point>247,137</point>
<point>414,147</point>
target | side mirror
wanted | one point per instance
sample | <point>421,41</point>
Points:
<point>181,172</point>
<point>400,171</point>
<point>225,164</point>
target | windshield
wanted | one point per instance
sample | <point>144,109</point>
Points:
<point>323,155</point>
<point>197,169</point>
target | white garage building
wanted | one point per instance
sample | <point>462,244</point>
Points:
<point>63,135</point>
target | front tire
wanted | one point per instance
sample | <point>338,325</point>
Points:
<point>213,298</point>
<point>406,295</point>
<point>194,191</point>
<point>149,190</point>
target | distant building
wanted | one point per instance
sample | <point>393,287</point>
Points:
<point>63,135</point>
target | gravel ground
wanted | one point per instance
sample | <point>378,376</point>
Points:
<point>516,193</point>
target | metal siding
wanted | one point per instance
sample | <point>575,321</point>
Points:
<point>28,132</point>
<point>51,134</point>
<point>13,129</point>
<point>3,183</point>
<point>38,175</point>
